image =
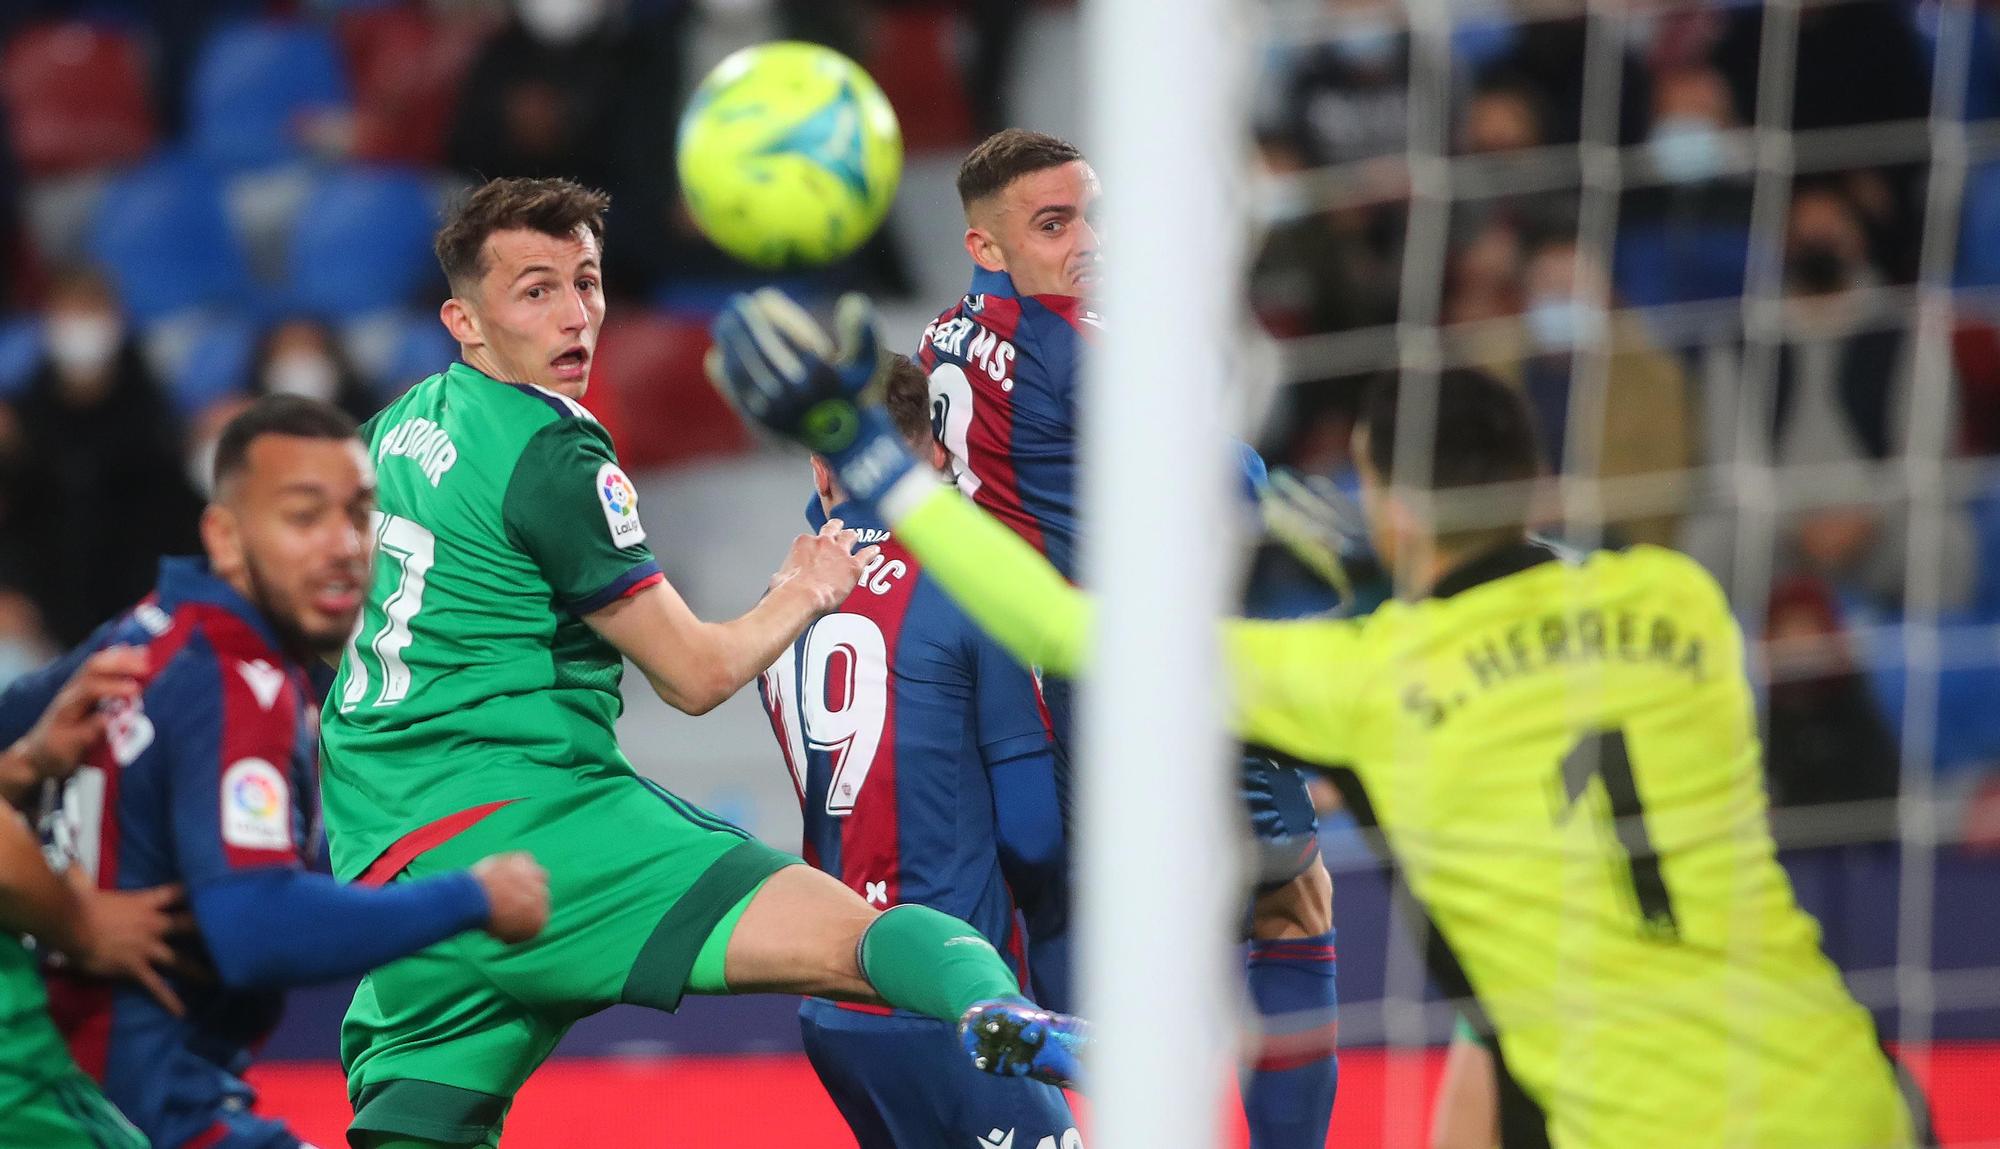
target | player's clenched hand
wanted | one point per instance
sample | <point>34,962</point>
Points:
<point>75,719</point>
<point>824,567</point>
<point>127,934</point>
<point>517,894</point>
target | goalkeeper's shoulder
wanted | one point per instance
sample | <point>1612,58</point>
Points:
<point>1667,573</point>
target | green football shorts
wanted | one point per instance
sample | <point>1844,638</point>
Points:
<point>69,1112</point>
<point>436,1044</point>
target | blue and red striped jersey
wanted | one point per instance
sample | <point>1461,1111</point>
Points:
<point>918,749</point>
<point>1003,370</point>
<point>211,774</point>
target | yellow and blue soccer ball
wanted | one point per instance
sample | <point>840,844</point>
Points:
<point>789,155</point>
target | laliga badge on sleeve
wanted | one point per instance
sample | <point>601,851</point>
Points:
<point>621,506</point>
<point>256,806</point>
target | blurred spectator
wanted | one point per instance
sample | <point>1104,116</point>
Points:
<point>1827,741</point>
<point>1842,403</point>
<point>1322,270</point>
<point>23,645</point>
<point>1345,98</point>
<point>1686,237</point>
<point>301,356</point>
<point>1837,43</point>
<point>1636,426</point>
<point>100,490</point>
<point>541,97</point>
<point>1504,114</point>
<point>1547,59</point>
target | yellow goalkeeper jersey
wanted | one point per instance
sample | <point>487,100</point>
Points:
<point>1562,757</point>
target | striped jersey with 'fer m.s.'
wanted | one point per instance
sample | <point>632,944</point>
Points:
<point>1003,371</point>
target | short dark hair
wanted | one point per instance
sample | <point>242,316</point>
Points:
<point>1006,156</point>
<point>1482,435</point>
<point>551,206</point>
<point>907,395</point>
<point>293,415</point>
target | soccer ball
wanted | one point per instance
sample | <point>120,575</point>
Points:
<point>789,155</point>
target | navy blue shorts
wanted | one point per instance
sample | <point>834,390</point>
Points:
<point>904,1082</point>
<point>1282,821</point>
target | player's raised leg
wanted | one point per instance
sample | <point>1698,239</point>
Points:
<point>803,931</point>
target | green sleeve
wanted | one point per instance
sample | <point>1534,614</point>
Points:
<point>572,510</point>
<point>1292,681</point>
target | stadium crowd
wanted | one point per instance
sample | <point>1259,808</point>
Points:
<point>204,202</point>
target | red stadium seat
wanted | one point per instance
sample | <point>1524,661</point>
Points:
<point>407,66</point>
<point>648,390</point>
<point>912,59</point>
<point>76,97</point>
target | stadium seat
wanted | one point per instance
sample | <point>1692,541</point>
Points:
<point>361,243</point>
<point>648,389</point>
<point>163,234</point>
<point>412,348</point>
<point>20,354</point>
<point>216,365</point>
<point>913,60</point>
<point>1979,233</point>
<point>407,66</point>
<point>253,86</point>
<point>76,97</point>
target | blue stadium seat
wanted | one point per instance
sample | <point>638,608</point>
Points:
<point>217,365</point>
<point>253,82</point>
<point>164,234</point>
<point>362,243</point>
<point>1979,235</point>
<point>423,348</point>
<point>20,354</point>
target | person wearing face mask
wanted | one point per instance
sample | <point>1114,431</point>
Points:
<point>1683,235</point>
<point>542,95</point>
<point>1634,424</point>
<point>99,490</point>
<point>301,356</point>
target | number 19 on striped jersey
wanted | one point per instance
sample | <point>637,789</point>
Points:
<point>834,702</point>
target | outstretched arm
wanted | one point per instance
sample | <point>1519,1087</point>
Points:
<point>695,666</point>
<point>1292,680</point>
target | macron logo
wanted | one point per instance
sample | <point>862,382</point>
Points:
<point>998,1140</point>
<point>264,680</point>
<point>878,893</point>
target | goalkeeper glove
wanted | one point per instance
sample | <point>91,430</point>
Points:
<point>1314,520</point>
<point>775,363</point>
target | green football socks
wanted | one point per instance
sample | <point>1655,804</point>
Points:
<point>931,963</point>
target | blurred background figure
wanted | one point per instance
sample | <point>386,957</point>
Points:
<point>101,491</point>
<point>302,356</point>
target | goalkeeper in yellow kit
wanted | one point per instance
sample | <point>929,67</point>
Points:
<point>1561,754</point>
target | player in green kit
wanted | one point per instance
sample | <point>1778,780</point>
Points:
<point>1561,754</point>
<point>476,702</point>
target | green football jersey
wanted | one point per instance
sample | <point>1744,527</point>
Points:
<point>32,1053</point>
<point>503,518</point>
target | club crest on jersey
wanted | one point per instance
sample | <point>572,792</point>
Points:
<point>256,806</point>
<point>621,506</point>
